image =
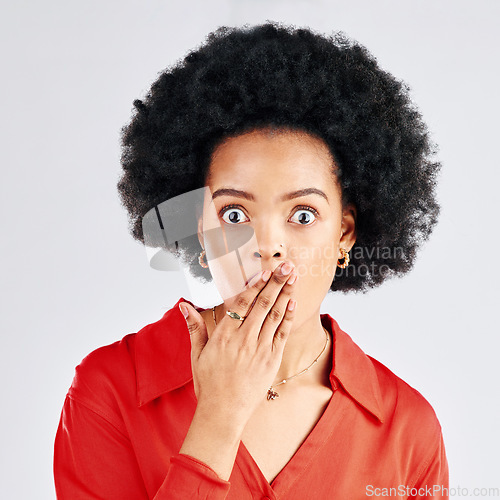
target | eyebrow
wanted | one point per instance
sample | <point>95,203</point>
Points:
<point>248,196</point>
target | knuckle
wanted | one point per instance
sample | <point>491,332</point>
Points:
<point>269,362</point>
<point>259,284</point>
<point>275,314</point>
<point>246,346</point>
<point>264,302</point>
<point>242,302</point>
<point>280,333</point>
<point>221,340</point>
<point>192,328</point>
<point>279,278</point>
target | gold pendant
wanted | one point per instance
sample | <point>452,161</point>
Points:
<point>272,394</point>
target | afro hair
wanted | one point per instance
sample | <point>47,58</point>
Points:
<point>271,75</point>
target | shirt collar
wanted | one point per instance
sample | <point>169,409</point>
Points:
<point>163,361</point>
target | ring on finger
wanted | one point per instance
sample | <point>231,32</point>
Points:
<point>235,315</point>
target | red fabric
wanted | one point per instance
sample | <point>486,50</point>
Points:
<point>130,405</point>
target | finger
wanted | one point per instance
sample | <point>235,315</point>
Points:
<point>284,328</point>
<point>243,301</point>
<point>266,299</point>
<point>276,315</point>
<point>196,327</point>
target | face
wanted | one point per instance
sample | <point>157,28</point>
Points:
<point>274,196</point>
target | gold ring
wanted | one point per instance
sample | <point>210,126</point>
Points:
<point>234,315</point>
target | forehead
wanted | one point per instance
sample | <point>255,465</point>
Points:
<point>265,156</point>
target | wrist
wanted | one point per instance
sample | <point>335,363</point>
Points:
<point>220,421</point>
<point>213,440</point>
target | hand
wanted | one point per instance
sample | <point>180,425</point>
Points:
<point>234,368</point>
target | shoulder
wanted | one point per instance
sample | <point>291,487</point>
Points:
<point>412,426</point>
<point>406,408</point>
<point>108,373</point>
<point>112,376</point>
<point>114,365</point>
<point>104,375</point>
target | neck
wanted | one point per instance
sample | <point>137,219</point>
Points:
<point>305,343</point>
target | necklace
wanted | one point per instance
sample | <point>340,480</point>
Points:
<point>271,393</point>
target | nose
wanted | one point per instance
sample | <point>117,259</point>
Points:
<point>270,248</point>
<point>269,254</point>
<point>270,242</point>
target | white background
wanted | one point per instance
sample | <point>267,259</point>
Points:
<point>73,279</point>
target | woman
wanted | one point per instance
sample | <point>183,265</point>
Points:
<point>315,173</point>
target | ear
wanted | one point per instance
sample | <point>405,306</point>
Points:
<point>348,228</point>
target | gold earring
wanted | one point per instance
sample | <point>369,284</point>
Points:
<point>345,256</point>
<point>201,261</point>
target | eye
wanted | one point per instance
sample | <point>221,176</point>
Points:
<point>232,214</point>
<point>304,216</point>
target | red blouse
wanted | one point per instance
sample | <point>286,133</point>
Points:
<point>130,405</point>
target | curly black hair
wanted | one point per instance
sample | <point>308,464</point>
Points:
<point>271,75</point>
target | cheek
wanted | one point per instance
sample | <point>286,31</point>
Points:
<point>315,256</point>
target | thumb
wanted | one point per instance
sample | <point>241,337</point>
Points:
<point>196,327</point>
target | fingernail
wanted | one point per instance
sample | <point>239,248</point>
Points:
<point>292,279</point>
<point>184,310</point>
<point>286,268</point>
<point>291,305</point>
<point>266,275</point>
